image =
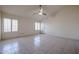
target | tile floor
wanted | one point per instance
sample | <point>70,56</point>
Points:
<point>39,44</point>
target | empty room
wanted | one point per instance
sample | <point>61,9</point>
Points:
<point>39,29</point>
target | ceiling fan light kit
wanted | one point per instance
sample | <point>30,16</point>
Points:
<point>41,12</point>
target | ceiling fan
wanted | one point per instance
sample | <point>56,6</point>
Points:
<point>41,11</point>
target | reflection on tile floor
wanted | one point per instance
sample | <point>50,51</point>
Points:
<point>10,48</point>
<point>37,41</point>
<point>39,44</point>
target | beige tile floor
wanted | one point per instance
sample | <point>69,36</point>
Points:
<point>39,44</point>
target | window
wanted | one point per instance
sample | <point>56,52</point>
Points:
<point>10,25</point>
<point>42,26</point>
<point>7,25</point>
<point>14,25</point>
<point>37,26</point>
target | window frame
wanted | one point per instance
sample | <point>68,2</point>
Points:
<point>11,25</point>
<point>38,26</point>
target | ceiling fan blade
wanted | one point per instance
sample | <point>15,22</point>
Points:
<point>34,13</point>
<point>44,14</point>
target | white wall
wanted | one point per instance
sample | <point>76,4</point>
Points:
<point>64,24</point>
<point>26,27</point>
<point>0,25</point>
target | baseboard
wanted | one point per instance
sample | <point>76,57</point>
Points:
<point>19,36</point>
<point>63,37</point>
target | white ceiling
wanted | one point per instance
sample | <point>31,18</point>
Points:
<point>28,10</point>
